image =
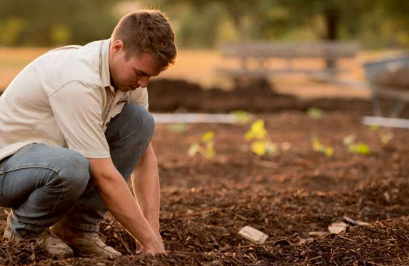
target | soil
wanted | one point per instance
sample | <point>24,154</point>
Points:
<point>256,96</point>
<point>287,195</point>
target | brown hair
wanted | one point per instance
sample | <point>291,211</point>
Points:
<point>147,31</point>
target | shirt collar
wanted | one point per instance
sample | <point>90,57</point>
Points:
<point>104,64</point>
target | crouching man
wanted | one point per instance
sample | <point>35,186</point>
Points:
<point>74,126</point>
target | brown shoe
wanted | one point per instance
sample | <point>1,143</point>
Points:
<point>88,242</point>
<point>55,246</point>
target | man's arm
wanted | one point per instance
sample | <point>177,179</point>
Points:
<point>117,197</point>
<point>146,187</point>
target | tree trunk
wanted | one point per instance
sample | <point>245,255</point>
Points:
<point>332,18</point>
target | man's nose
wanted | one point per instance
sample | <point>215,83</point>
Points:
<point>143,81</point>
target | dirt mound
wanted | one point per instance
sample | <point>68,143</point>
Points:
<point>258,97</point>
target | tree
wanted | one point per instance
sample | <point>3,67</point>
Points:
<point>47,22</point>
<point>334,13</point>
<point>240,12</point>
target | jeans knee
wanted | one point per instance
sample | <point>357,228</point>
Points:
<point>148,125</point>
<point>139,120</point>
<point>75,172</point>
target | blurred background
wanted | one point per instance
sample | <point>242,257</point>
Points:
<point>29,28</point>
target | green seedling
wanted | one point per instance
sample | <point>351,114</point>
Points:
<point>359,148</point>
<point>205,146</point>
<point>315,113</point>
<point>348,140</point>
<point>384,136</point>
<point>374,127</point>
<point>242,116</point>
<point>319,147</point>
<point>177,127</point>
<point>261,141</point>
<point>261,147</point>
<point>354,147</point>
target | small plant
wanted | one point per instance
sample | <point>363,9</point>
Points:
<point>261,141</point>
<point>241,116</point>
<point>319,147</point>
<point>315,113</point>
<point>205,147</point>
<point>384,136</point>
<point>354,147</point>
<point>177,127</point>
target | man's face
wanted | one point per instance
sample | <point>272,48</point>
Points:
<point>133,72</point>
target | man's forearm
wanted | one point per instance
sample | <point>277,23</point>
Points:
<point>117,197</point>
<point>145,182</point>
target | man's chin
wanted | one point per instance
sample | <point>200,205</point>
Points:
<point>124,89</point>
<point>127,88</point>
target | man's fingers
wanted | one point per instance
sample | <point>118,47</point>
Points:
<point>139,248</point>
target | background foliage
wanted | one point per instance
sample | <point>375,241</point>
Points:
<point>205,23</point>
<point>49,22</point>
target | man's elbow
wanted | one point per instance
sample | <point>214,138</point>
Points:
<point>103,172</point>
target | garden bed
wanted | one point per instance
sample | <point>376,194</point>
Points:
<point>287,195</point>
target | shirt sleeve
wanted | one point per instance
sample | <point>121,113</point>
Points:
<point>140,96</point>
<point>78,109</point>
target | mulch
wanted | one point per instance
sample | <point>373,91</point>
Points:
<point>288,195</point>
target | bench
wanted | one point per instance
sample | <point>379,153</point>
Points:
<point>255,58</point>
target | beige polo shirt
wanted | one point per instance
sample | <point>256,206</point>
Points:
<point>64,99</point>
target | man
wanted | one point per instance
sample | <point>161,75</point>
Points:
<point>74,126</point>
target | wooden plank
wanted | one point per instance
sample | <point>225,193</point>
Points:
<point>253,234</point>
<point>266,72</point>
<point>326,50</point>
<point>386,122</point>
<point>195,118</point>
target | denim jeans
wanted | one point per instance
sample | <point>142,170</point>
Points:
<point>44,184</point>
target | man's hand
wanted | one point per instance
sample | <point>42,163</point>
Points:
<point>159,237</point>
<point>145,183</point>
<point>117,197</point>
<point>157,248</point>
<point>140,249</point>
<point>154,250</point>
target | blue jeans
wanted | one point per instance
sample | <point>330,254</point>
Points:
<point>44,184</point>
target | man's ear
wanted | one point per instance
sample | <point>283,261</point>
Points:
<point>117,46</point>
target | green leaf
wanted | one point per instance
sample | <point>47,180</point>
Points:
<point>329,151</point>
<point>208,136</point>
<point>249,135</point>
<point>257,131</point>
<point>359,148</point>
<point>385,137</point>
<point>210,152</point>
<point>315,113</point>
<point>193,149</point>
<point>316,144</point>
<point>318,147</point>
<point>177,127</point>
<point>241,116</point>
<point>374,127</point>
<point>348,140</point>
<point>258,147</point>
